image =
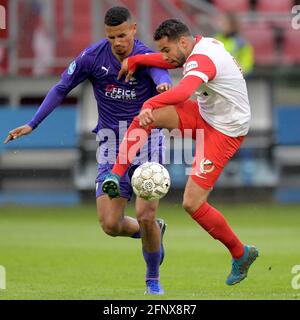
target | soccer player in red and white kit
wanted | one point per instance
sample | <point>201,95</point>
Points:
<point>222,111</point>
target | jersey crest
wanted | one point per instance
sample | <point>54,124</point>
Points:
<point>72,68</point>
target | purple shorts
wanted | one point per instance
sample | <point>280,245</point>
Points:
<point>125,183</point>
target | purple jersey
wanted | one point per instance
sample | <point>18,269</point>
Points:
<point>116,100</point>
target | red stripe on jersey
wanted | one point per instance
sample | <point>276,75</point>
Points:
<point>183,91</point>
<point>151,60</point>
<point>201,63</point>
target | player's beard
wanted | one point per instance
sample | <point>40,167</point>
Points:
<point>180,59</point>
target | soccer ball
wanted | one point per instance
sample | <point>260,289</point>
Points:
<point>151,181</point>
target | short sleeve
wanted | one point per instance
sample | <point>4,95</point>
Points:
<point>201,66</point>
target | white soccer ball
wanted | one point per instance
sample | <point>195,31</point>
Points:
<point>151,181</point>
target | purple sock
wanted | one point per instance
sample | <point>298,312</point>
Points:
<point>152,260</point>
<point>136,235</point>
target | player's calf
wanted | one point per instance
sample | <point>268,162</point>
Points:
<point>162,226</point>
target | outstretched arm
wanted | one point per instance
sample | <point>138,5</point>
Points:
<point>198,69</point>
<point>77,72</point>
<point>54,97</point>
<point>180,93</point>
<point>150,60</point>
<point>183,91</point>
<point>130,64</point>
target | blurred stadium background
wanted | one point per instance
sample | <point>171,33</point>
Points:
<point>56,165</point>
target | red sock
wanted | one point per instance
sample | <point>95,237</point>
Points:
<point>215,224</point>
<point>134,138</point>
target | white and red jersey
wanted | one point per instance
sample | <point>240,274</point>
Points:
<point>222,98</point>
<point>212,73</point>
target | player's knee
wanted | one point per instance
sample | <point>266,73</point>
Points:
<point>110,227</point>
<point>194,197</point>
<point>190,205</point>
<point>146,215</point>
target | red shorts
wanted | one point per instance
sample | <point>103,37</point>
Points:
<point>213,148</point>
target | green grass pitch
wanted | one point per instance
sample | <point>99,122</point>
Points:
<point>61,253</point>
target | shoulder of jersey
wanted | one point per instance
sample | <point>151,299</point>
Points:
<point>95,48</point>
<point>206,44</point>
<point>141,48</point>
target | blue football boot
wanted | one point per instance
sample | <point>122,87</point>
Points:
<point>153,287</point>
<point>241,266</point>
<point>111,185</point>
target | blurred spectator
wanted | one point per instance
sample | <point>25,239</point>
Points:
<point>3,36</point>
<point>2,60</point>
<point>43,49</point>
<point>238,46</point>
<point>42,43</point>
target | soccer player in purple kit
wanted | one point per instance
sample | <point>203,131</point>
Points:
<point>117,101</point>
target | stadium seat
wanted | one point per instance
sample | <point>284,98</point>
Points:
<point>280,6</point>
<point>287,125</point>
<point>38,169</point>
<point>233,5</point>
<point>287,152</point>
<point>287,135</point>
<point>291,43</point>
<point>262,39</point>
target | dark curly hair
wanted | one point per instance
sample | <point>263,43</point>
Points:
<point>116,16</point>
<point>171,28</point>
